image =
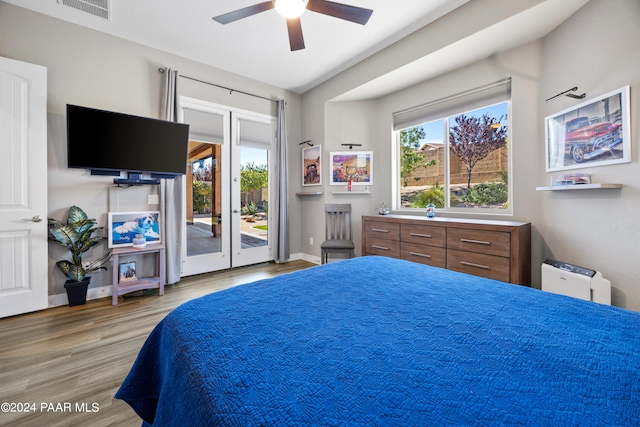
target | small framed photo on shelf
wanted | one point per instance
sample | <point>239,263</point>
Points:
<point>124,226</point>
<point>593,133</point>
<point>127,272</point>
<point>312,166</point>
<point>351,166</point>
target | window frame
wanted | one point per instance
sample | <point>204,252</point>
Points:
<point>447,115</point>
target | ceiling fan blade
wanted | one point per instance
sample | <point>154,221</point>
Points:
<point>296,40</point>
<point>244,12</point>
<point>355,14</point>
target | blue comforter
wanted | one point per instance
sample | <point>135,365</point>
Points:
<point>375,341</point>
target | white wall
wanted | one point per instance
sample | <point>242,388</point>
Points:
<point>89,68</point>
<point>597,50</point>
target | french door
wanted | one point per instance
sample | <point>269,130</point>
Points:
<point>226,187</point>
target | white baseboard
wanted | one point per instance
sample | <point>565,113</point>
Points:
<point>92,293</point>
<point>305,257</point>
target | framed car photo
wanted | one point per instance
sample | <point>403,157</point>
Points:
<point>594,133</point>
<point>312,165</point>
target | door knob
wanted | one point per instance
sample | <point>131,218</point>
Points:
<point>35,219</point>
<point>236,211</point>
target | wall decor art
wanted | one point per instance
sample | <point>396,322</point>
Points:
<point>593,133</point>
<point>354,166</point>
<point>123,227</point>
<point>312,165</point>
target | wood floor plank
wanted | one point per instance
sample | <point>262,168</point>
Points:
<point>79,356</point>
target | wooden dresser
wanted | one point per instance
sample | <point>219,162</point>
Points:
<point>498,250</point>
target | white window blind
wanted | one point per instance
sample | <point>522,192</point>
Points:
<point>254,134</point>
<point>460,103</point>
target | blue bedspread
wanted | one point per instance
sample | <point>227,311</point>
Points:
<point>375,341</point>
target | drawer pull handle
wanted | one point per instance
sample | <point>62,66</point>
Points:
<point>420,255</point>
<point>380,247</point>
<point>479,242</point>
<point>379,230</point>
<point>428,236</point>
<point>470,264</point>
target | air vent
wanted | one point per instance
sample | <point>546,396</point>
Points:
<point>98,8</point>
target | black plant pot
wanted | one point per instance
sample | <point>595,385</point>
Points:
<point>77,291</point>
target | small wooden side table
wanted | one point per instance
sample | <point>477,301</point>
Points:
<point>154,282</point>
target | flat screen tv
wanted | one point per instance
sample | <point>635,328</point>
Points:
<point>107,141</point>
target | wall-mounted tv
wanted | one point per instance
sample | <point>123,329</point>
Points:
<point>107,141</point>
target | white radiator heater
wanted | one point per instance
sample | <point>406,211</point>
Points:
<point>578,282</point>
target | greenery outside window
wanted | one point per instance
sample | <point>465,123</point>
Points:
<point>455,153</point>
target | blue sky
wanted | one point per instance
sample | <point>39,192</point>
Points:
<point>435,130</point>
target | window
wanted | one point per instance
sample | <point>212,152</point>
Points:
<point>455,153</point>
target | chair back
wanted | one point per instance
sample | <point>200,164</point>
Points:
<point>338,221</point>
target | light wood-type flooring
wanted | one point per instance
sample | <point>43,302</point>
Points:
<point>62,366</point>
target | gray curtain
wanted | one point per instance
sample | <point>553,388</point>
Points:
<point>282,250</point>
<point>171,190</point>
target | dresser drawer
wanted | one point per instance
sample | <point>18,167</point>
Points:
<point>423,235</point>
<point>382,230</point>
<point>390,248</point>
<point>491,266</point>
<point>485,242</point>
<point>424,254</point>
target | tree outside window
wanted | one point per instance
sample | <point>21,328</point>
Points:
<point>477,172</point>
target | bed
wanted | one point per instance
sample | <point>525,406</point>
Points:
<point>375,341</point>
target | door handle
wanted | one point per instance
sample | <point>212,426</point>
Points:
<point>35,219</point>
<point>236,211</point>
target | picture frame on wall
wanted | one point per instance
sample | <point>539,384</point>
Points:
<point>312,165</point>
<point>354,166</point>
<point>124,226</point>
<point>593,133</point>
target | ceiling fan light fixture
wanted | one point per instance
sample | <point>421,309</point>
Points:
<point>290,8</point>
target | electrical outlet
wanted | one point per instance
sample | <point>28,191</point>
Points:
<point>311,241</point>
<point>153,199</point>
<point>85,265</point>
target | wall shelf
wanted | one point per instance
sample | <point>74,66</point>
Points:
<point>578,187</point>
<point>352,192</point>
<point>315,193</point>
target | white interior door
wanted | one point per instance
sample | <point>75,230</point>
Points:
<point>208,237</point>
<point>23,188</point>
<point>253,137</point>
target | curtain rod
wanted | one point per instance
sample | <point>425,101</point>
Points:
<point>161,70</point>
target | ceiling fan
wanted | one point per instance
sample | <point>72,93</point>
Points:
<point>293,9</point>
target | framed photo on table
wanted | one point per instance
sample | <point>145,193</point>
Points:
<point>593,133</point>
<point>127,272</point>
<point>354,166</point>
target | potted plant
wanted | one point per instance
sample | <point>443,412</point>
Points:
<point>77,236</point>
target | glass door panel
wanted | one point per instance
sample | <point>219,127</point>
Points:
<point>250,189</point>
<point>207,245</point>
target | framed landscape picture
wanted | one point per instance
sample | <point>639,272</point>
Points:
<point>312,165</point>
<point>354,166</point>
<point>123,227</point>
<point>594,133</point>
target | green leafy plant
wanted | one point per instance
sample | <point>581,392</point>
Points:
<point>250,209</point>
<point>411,158</point>
<point>77,236</point>
<point>487,193</point>
<point>201,195</point>
<point>433,195</point>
